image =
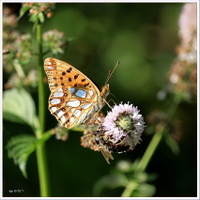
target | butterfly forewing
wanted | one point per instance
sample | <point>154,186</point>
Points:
<point>74,98</point>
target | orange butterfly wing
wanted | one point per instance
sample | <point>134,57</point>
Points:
<point>74,98</point>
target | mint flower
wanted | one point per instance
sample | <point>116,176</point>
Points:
<point>183,72</point>
<point>123,127</point>
<point>120,131</point>
<point>188,22</point>
<point>38,10</point>
<point>54,41</point>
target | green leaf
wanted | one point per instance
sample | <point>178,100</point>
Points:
<point>18,106</point>
<point>19,148</point>
<point>111,181</point>
<point>172,144</point>
<point>41,17</point>
<point>23,10</point>
<point>33,17</point>
<point>144,190</point>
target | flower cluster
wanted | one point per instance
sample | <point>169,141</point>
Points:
<point>188,23</point>
<point>16,80</point>
<point>17,45</point>
<point>18,48</point>
<point>183,72</point>
<point>120,131</point>
<point>9,19</point>
<point>23,47</point>
<point>37,8</point>
<point>158,119</point>
<point>19,55</point>
<point>54,41</point>
<point>60,132</point>
<point>10,35</point>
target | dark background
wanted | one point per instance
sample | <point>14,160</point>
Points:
<point>143,36</point>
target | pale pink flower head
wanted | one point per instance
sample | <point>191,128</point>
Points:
<point>188,22</point>
<point>123,127</point>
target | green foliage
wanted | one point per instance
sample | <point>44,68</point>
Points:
<point>126,175</point>
<point>19,148</point>
<point>111,181</point>
<point>23,10</point>
<point>18,106</point>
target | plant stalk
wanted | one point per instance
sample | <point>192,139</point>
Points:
<point>40,151</point>
<point>128,190</point>
<point>162,129</point>
<point>150,150</point>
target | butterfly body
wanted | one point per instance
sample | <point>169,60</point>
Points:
<point>74,98</point>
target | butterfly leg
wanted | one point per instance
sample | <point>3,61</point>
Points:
<point>107,155</point>
<point>108,102</point>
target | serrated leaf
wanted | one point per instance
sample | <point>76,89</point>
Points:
<point>19,148</point>
<point>18,106</point>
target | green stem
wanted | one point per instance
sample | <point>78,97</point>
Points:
<point>40,151</point>
<point>41,90</point>
<point>150,150</point>
<point>128,190</point>
<point>163,129</point>
<point>42,170</point>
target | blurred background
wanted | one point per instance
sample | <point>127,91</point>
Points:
<point>144,38</point>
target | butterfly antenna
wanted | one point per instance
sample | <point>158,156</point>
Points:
<point>111,72</point>
<point>114,97</point>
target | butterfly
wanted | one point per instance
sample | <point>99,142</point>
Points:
<point>74,98</point>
